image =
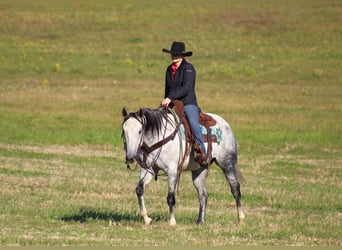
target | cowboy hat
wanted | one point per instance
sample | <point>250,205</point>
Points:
<point>178,48</point>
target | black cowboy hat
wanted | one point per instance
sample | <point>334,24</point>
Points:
<point>178,48</point>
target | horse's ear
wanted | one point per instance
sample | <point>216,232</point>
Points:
<point>141,113</point>
<point>124,112</point>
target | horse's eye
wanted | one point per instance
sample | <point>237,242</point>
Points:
<point>140,132</point>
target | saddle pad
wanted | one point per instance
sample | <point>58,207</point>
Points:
<point>215,131</point>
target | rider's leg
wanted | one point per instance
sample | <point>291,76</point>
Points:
<point>192,113</point>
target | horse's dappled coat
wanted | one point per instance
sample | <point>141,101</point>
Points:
<point>147,127</point>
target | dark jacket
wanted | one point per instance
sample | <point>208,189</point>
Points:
<point>183,86</point>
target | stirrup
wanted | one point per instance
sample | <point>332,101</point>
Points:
<point>199,156</point>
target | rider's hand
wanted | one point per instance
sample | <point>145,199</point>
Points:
<point>166,102</point>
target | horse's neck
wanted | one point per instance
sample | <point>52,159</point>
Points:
<point>168,127</point>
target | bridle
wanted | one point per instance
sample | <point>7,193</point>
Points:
<point>144,149</point>
<point>141,121</point>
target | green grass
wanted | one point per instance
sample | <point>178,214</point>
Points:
<point>82,200</point>
<point>270,68</point>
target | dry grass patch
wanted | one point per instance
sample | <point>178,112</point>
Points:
<point>89,198</point>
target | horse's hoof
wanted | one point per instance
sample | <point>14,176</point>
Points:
<point>172,222</point>
<point>241,215</point>
<point>148,221</point>
<point>199,222</point>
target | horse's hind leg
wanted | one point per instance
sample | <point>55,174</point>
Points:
<point>145,178</point>
<point>198,178</point>
<point>230,171</point>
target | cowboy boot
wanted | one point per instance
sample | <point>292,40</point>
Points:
<point>203,160</point>
<point>199,156</point>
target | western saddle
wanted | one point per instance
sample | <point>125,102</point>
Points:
<point>205,120</point>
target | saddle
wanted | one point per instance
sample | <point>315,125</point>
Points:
<point>205,120</point>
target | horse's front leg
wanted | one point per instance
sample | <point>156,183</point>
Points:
<point>198,178</point>
<point>171,199</point>
<point>145,178</point>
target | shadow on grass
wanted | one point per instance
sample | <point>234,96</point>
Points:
<point>85,215</point>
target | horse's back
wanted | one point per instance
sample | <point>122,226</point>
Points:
<point>221,122</point>
<point>228,141</point>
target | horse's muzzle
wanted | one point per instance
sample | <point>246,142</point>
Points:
<point>129,161</point>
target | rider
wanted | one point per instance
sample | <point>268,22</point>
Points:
<point>180,79</point>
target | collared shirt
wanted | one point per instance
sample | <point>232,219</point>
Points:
<point>173,71</point>
<point>182,85</point>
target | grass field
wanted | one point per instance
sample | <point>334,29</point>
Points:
<point>271,68</point>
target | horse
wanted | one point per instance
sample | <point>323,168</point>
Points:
<point>154,139</point>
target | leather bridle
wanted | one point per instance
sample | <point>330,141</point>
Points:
<point>144,149</point>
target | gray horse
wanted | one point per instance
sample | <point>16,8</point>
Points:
<point>155,139</point>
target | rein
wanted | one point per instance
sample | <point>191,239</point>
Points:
<point>148,149</point>
<point>145,150</point>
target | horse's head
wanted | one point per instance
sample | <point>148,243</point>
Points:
<point>132,134</point>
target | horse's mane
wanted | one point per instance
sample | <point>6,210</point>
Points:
<point>154,119</point>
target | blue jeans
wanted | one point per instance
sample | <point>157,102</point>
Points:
<point>192,113</point>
